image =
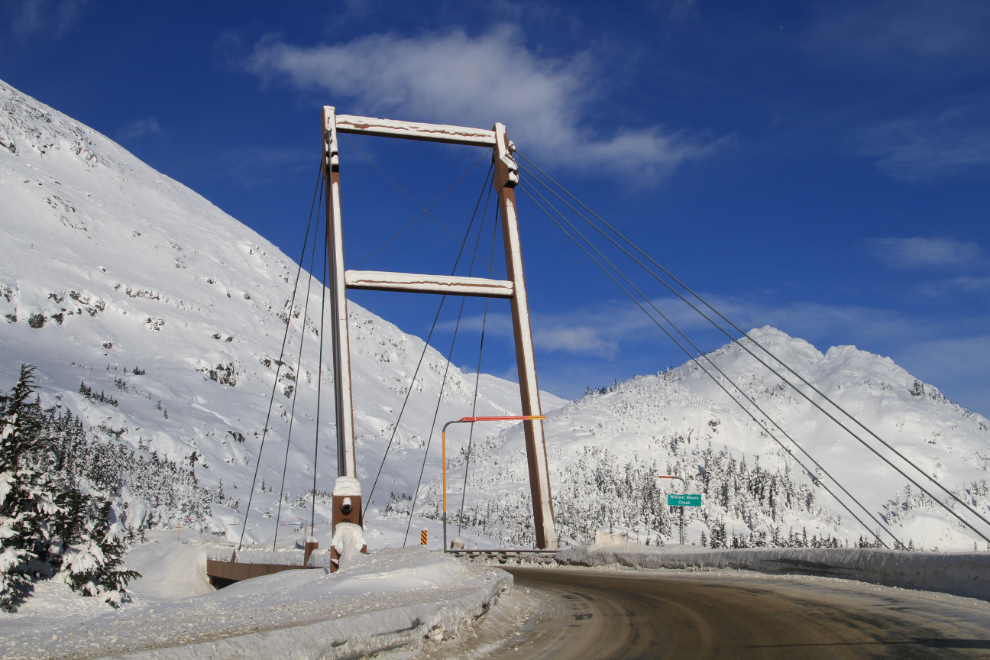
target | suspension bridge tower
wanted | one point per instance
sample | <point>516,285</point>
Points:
<point>513,289</point>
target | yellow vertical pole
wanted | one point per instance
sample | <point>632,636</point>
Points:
<point>443,453</point>
<point>443,457</point>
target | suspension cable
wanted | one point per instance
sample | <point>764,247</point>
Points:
<point>295,390</point>
<point>477,376</point>
<point>429,438</point>
<point>426,346</point>
<point>443,382</point>
<point>776,373</point>
<point>316,445</point>
<point>418,215</point>
<point>716,381</point>
<point>411,198</point>
<point>271,401</point>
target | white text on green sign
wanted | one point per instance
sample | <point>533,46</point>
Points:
<point>683,500</point>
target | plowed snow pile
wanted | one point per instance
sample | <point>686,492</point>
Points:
<point>391,598</point>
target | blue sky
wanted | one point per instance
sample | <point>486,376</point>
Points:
<point>822,167</point>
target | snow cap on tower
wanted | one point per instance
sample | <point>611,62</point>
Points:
<point>347,487</point>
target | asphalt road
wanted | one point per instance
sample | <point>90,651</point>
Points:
<point>592,614</point>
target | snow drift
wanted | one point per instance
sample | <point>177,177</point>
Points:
<point>961,574</point>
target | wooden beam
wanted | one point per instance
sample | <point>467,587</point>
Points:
<point>443,284</point>
<point>344,404</point>
<point>506,178</point>
<point>410,130</point>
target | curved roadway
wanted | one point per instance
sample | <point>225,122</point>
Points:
<point>591,614</point>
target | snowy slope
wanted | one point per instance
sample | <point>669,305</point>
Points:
<point>605,448</point>
<point>109,266</point>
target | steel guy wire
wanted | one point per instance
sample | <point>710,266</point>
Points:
<point>426,346</point>
<point>271,401</point>
<point>708,358</point>
<point>722,387</point>
<point>295,390</point>
<point>443,383</point>
<point>477,377</point>
<point>774,371</point>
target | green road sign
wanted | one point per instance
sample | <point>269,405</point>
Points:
<point>683,500</point>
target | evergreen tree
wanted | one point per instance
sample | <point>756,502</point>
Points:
<point>24,502</point>
<point>48,525</point>
<point>87,551</point>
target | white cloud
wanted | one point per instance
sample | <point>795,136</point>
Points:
<point>139,128</point>
<point>45,18</point>
<point>454,78</point>
<point>579,340</point>
<point>931,252</point>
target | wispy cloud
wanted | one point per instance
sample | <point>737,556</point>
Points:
<point>957,366</point>
<point>139,128</point>
<point>582,340</point>
<point>950,351</point>
<point>925,252</point>
<point>954,141</point>
<point>255,165</point>
<point>595,332</point>
<point>682,10</point>
<point>876,33</point>
<point>455,78</point>
<point>45,18</point>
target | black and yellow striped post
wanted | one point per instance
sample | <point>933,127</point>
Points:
<point>422,537</point>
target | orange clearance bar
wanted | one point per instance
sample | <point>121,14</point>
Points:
<point>502,418</point>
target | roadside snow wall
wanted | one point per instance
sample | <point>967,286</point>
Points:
<point>387,600</point>
<point>961,574</point>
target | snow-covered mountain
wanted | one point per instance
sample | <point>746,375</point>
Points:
<point>606,448</point>
<point>118,281</point>
<point>158,319</point>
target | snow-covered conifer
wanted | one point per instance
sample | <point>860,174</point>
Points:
<point>24,501</point>
<point>87,551</point>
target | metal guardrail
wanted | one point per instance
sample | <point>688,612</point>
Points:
<point>504,556</point>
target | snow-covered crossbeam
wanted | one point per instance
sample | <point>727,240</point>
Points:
<point>446,284</point>
<point>411,130</point>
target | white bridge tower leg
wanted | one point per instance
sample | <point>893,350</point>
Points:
<point>506,178</point>
<point>344,408</point>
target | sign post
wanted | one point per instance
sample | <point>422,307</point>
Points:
<point>682,500</point>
